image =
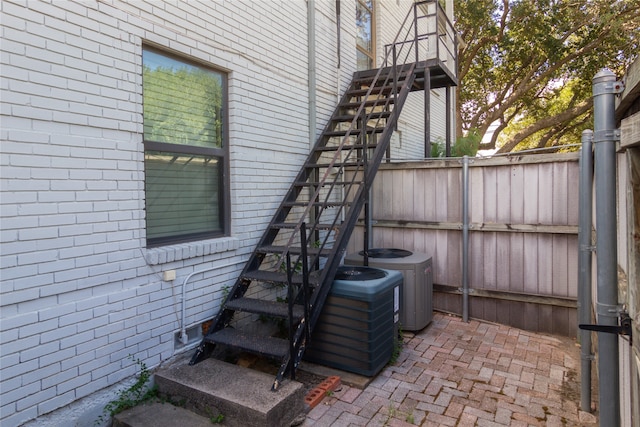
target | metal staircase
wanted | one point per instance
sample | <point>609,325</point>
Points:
<point>303,245</point>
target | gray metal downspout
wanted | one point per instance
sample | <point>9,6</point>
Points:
<point>311,54</point>
<point>311,76</point>
<point>465,238</point>
<point>584,266</point>
<point>606,248</point>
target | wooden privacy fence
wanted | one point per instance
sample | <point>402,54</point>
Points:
<point>523,238</point>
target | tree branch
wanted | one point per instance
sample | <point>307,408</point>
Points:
<point>546,122</point>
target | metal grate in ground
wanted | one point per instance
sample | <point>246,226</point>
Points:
<point>467,374</point>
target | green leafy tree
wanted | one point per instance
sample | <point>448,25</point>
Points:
<point>527,65</point>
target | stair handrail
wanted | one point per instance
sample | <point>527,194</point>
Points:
<point>441,21</point>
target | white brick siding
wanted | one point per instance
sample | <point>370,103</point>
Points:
<point>80,292</point>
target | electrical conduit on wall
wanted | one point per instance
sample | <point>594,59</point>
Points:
<point>184,338</point>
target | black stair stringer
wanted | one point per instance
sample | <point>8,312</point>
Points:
<point>352,217</point>
<point>333,262</point>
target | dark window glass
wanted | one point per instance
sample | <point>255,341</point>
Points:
<point>365,34</point>
<point>185,151</point>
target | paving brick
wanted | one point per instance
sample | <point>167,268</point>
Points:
<point>431,408</point>
<point>435,392</point>
<point>454,409</point>
<point>442,420</point>
<point>350,394</point>
<point>467,420</point>
<point>529,419</point>
<point>479,413</point>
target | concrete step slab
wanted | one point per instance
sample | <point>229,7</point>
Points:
<point>159,415</point>
<point>243,396</point>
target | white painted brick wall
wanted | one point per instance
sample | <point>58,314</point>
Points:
<point>80,292</point>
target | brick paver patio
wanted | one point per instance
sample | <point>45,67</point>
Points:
<point>467,374</point>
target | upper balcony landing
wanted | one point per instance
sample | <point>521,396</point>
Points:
<point>428,39</point>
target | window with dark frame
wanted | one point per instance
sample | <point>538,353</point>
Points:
<point>185,149</point>
<point>365,35</point>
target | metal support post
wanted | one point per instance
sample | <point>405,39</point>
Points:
<point>584,266</point>
<point>604,89</point>
<point>448,123</point>
<point>427,112</point>
<point>465,238</point>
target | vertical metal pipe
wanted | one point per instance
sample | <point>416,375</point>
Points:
<point>370,219</point>
<point>584,266</point>
<point>606,248</point>
<point>465,238</point>
<point>338,34</point>
<point>365,176</point>
<point>427,112</point>
<point>415,30</point>
<point>311,70</point>
<point>313,98</point>
<point>448,122</point>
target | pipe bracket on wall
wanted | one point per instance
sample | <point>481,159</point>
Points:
<point>607,87</point>
<point>606,135</point>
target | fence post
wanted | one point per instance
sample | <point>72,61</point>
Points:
<point>465,238</point>
<point>604,89</point>
<point>584,266</point>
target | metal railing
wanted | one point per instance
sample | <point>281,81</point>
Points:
<point>430,35</point>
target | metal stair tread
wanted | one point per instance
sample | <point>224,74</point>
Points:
<point>293,225</point>
<point>266,307</point>
<point>319,184</point>
<point>353,132</point>
<point>345,147</point>
<point>336,164</point>
<point>350,117</point>
<point>378,102</point>
<point>275,249</point>
<point>276,277</point>
<point>318,204</point>
<point>374,90</point>
<point>260,344</point>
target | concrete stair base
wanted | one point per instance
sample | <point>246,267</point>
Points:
<point>242,396</point>
<point>159,415</point>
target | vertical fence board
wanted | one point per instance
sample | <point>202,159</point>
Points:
<point>490,195</point>
<point>491,254</point>
<point>517,195</point>
<point>545,265</point>
<point>476,195</point>
<point>560,266</point>
<point>545,319</point>
<point>503,195</point>
<point>517,262</point>
<point>530,267</point>
<point>501,261</point>
<point>560,211</point>
<point>454,195</point>
<point>545,194</point>
<point>476,260</point>
<point>530,312</point>
<point>572,266</point>
<point>531,191</point>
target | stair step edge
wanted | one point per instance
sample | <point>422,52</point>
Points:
<point>277,277</point>
<point>274,249</point>
<point>263,345</point>
<point>269,308</point>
